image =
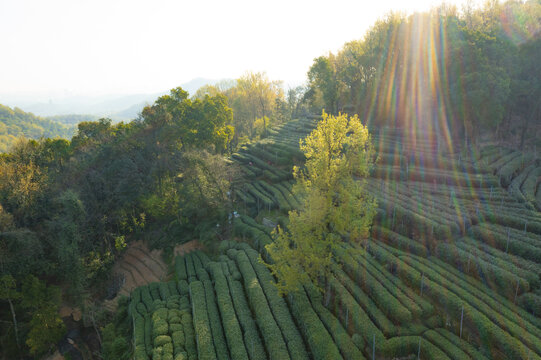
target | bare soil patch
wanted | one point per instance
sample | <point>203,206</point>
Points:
<point>140,266</point>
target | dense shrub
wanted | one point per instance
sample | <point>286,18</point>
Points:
<point>230,323</point>
<point>161,340</point>
<point>146,297</point>
<point>372,310</point>
<point>202,274</point>
<point>148,335</point>
<point>530,184</point>
<point>514,245</point>
<point>272,336</point>
<point>463,345</point>
<point>164,290</point>
<point>178,340</point>
<point>495,277</point>
<point>215,322</point>
<point>203,257</point>
<point>189,335</point>
<point>245,197</point>
<point>531,303</point>
<point>524,268</point>
<point>277,195</point>
<point>487,328</point>
<point>398,241</point>
<point>180,268</point>
<point>252,341</point>
<point>205,345</point>
<point>154,290</point>
<point>389,298</point>
<point>259,237</point>
<point>286,192</point>
<point>317,337</point>
<point>278,307</point>
<point>159,327</point>
<point>508,171</point>
<point>139,330</point>
<point>182,286</point>
<point>453,351</point>
<point>409,345</point>
<point>348,348</point>
<point>172,286</point>
<point>360,320</point>
<point>262,200</point>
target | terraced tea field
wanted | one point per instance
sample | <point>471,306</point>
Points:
<point>450,271</point>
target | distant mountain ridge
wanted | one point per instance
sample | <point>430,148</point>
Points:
<point>116,107</point>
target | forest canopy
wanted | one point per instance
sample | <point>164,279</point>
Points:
<point>69,207</point>
<point>461,74</point>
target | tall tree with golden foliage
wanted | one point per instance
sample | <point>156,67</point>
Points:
<point>335,206</point>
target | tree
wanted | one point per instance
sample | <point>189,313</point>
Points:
<point>115,346</point>
<point>527,88</point>
<point>335,206</point>
<point>46,329</point>
<point>65,239</point>
<point>481,85</point>
<point>194,200</point>
<point>20,244</point>
<point>181,122</point>
<point>254,97</point>
<point>22,183</point>
<point>352,73</point>
<point>294,100</point>
<point>46,326</point>
<point>6,220</point>
<point>90,134</point>
<point>323,78</point>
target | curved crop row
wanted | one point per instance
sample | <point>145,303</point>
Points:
<point>205,344</point>
<point>270,331</point>
<point>494,276</point>
<point>512,244</point>
<point>490,334</point>
<point>372,286</point>
<point>232,329</point>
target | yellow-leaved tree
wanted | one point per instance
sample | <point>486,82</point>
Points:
<point>335,206</point>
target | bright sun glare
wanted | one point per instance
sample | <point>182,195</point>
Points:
<point>63,47</point>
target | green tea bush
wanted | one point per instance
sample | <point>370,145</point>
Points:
<point>272,336</point>
<point>205,345</point>
<point>230,323</point>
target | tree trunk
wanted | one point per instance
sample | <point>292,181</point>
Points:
<point>92,315</point>
<point>96,329</point>
<point>14,323</point>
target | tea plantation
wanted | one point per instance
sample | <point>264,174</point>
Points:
<point>451,270</point>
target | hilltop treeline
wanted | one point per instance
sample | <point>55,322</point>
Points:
<point>257,103</point>
<point>473,71</point>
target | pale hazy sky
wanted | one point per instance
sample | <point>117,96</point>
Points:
<point>96,47</point>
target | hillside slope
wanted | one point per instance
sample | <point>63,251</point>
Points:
<point>451,270</point>
<point>15,123</point>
